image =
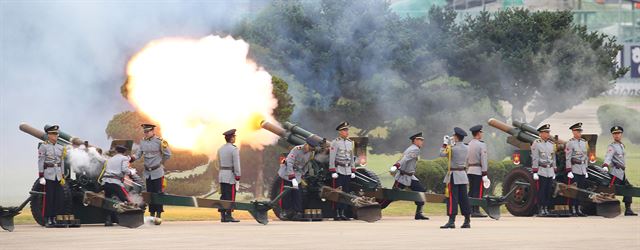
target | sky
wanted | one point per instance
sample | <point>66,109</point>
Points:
<point>63,62</point>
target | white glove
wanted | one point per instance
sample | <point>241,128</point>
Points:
<point>570,175</point>
<point>535,176</point>
<point>334,175</point>
<point>353,175</point>
<point>445,140</point>
<point>133,171</point>
<point>606,169</point>
<point>586,175</point>
<point>42,181</point>
<point>486,182</point>
<point>553,177</point>
<point>294,182</point>
<point>393,169</point>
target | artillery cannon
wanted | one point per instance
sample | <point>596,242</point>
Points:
<point>319,198</point>
<point>597,198</point>
<point>85,203</point>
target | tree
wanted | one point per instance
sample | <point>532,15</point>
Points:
<point>540,59</point>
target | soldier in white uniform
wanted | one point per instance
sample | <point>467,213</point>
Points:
<point>577,157</point>
<point>615,160</point>
<point>115,170</point>
<point>291,173</point>
<point>156,152</point>
<point>543,158</point>
<point>51,158</point>
<point>456,178</point>
<point>229,159</point>
<point>405,170</point>
<point>342,166</point>
<point>477,167</point>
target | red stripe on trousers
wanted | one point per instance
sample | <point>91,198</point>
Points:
<point>281,190</point>
<point>44,200</point>
<point>612,181</point>
<point>480,190</point>
<point>450,199</point>
<point>568,183</point>
<point>333,184</point>
<point>162,184</point>
<point>126,194</point>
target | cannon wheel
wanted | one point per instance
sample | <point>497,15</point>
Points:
<point>36,202</point>
<point>275,191</point>
<point>370,174</point>
<point>522,202</point>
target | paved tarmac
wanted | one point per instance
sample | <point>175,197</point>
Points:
<point>389,233</point>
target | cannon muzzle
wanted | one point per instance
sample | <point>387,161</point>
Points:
<point>63,138</point>
<point>522,133</point>
<point>292,133</point>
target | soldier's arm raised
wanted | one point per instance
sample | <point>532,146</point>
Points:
<point>166,152</point>
<point>444,151</point>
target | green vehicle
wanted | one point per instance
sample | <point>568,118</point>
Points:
<point>598,198</point>
<point>367,190</point>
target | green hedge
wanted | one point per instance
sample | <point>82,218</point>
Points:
<point>610,115</point>
<point>431,173</point>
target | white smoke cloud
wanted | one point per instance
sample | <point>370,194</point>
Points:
<point>63,62</point>
<point>86,161</point>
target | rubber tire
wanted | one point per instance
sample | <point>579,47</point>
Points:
<point>529,207</point>
<point>36,202</point>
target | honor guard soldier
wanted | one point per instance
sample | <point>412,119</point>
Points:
<point>543,158</point>
<point>115,170</point>
<point>342,165</point>
<point>51,158</point>
<point>477,167</point>
<point>156,152</point>
<point>405,170</point>
<point>615,160</point>
<point>456,178</point>
<point>291,173</point>
<point>229,159</point>
<point>577,157</point>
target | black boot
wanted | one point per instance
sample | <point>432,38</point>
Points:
<point>467,222</point>
<point>574,211</point>
<point>50,222</point>
<point>230,217</point>
<point>541,212</point>
<point>419,215</point>
<point>344,216</point>
<point>223,217</point>
<point>627,210</point>
<point>336,216</point>
<point>579,211</point>
<point>107,221</point>
<point>451,223</point>
<point>476,212</point>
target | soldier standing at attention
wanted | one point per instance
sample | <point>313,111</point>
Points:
<point>116,168</point>
<point>543,158</point>
<point>456,179</point>
<point>615,159</point>
<point>156,152</point>
<point>51,158</point>
<point>405,170</point>
<point>478,166</point>
<point>291,173</point>
<point>229,159</point>
<point>342,165</point>
<point>576,152</point>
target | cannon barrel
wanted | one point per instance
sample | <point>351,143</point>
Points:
<point>292,133</point>
<point>521,134</point>
<point>63,138</point>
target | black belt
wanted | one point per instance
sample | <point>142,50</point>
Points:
<point>152,168</point>
<point>544,166</point>
<point>343,165</point>
<point>475,165</point>
<point>113,177</point>
<point>226,168</point>
<point>458,169</point>
<point>50,165</point>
